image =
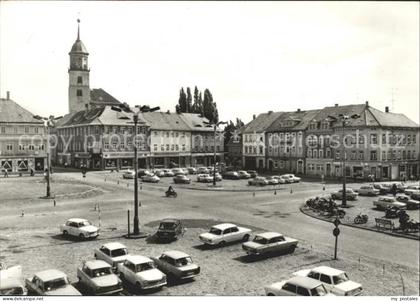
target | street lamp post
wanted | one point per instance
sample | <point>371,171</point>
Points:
<point>140,109</point>
<point>215,125</point>
<point>48,123</point>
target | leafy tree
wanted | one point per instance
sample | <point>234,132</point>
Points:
<point>182,102</point>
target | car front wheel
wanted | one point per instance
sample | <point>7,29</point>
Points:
<point>81,236</point>
<point>65,233</point>
<point>245,238</point>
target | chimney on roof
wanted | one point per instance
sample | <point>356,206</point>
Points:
<point>8,95</point>
<point>386,109</point>
<point>269,112</point>
<point>336,105</point>
<point>168,112</point>
<point>367,103</point>
<point>298,110</point>
<point>253,117</point>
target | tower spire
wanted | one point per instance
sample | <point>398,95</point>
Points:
<point>78,29</point>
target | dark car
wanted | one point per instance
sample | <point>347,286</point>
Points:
<point>181,179</point>
<point>232,175</point>
<point>382,189</point>
<point>252,173</point>
<point>170,229</point>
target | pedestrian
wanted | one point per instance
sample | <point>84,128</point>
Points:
<point>32,172</point>
<point>394,189</point>
<point>6,173</point>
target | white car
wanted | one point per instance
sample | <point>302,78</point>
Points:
<point>258,181</point>
<point>159,173</point>
<point>269,242</point>
<point>97,277</point>
<point>225,233</point>
<point>385,201</point>
<point>412,189</point>
<point>141,272</point>
<point>202,170</point>
<point>50,283</point>
<point>168,173</point>
<point>204,178</point>
<point>150,178</point>
<point>297,286</point>
<point>112,253</point>
<point>292,178</point>
<point>11,281</point>
<point>177,171</point>
<point>279,179</point>
<point>129,174</point>
<point>177,264</point>
<point>286,179</point>
<point>368,190</point>
<point>335,281</point>
<point>79,227</point>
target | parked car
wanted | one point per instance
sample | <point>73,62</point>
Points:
<point>351,195</point>
<point>368,190</point>
<point>400,187</point>
<point>384,201</point>
<point>79,227</point>
<point>204,178</point>
<point>97,277</point>
<point>143,172</point>
<point>150,178</point>
<point>297,286</point>
<point>129,174</point>
<point>269,242</point>
<point>178,171</point>
<point>416,195</point>
<point>112,253</point>
<point>225,233</point>
<point>177,264</point>
<point>218,176</point>
<point>181,179</point>
<point>258,181</point>
<point>168,173</point>
<point>412,189</point>
<point>382,189</point>
<point>159,173</point>
<point>231,175</point>
<point>335,281</point>
<point>202,169</point>
<point>272,180</point>
<point>11,281</point>
<point>252,173</point>
<point>286,179</point>
<point>170,229</point>
<point>50,283</point>
<point>410,203</point>
<point>279,179</point>
<point>243,174</point>
<point>141,272</point>
<point>293,178</point>
<point>192,170</point>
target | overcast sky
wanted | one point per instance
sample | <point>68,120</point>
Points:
<point>253,56</point>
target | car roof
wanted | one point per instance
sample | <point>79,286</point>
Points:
<point>175,254</point>
<point>305,282</point>
<point>77,220</point>
<point>114,246</point>
<point>269,235</point>
<point>12,282</point>
<point>170,220</point>
<point>138,259</point>
<point>224,226</point>
<point>386,198</point>
<point>50,274</point>
<point>327,270</point>
<point>96,264</point>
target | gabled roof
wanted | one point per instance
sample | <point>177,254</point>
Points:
<point>301,120</point>
<point>11,112</point>
<point>392,119</point>
<point>101,97</point>
<point>165,121</point>
<point>262,122</point>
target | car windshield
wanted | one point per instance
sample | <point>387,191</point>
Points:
<point>85,223</point>
<point>260,240</point>
<point>319,291</point>
<point>166,226</point>
<point>101,272</point>
<point>145,267</point>
<point>183,261</point>
<point>55,284</point>
<point>119,252</point>
<point>215,231</point>
<point>340,278</point>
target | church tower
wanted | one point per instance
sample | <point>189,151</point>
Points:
<point>79,90</point>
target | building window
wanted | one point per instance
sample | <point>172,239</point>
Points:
<point>9,147</point>
<point>106,145</point>
<point>162,147</point>
<point>337,155</point>
<point>373,156</point>
<point>79,92</point>
<point>399,155</point>
<point>79,80</point>
<point>3,130</point>
<point>408,139</point>
<point>361,155</point>
<point>383,155</point>
<point>414,154</point>
<point>353,155</point>
<point>309,153</point>
<point>261,150</point>
<point>315,153</point>
<point>328,153</point>
<point>414,139</point>
<point>41,147</point>
<point>155,147</point>
<point>403,155</point>
<point>183,147</point>
<point>167,145</point>
<point>383,138</point>
<point>176,147</point>
<point>373,139</point>
<point>26,130</point>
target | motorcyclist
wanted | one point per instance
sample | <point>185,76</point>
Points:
<point>170,190</point>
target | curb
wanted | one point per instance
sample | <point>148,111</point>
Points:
<point>358,227</point>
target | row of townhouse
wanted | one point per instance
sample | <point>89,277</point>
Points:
<point>101,138</point>
<point>22,139</point>
<point>374,143</point>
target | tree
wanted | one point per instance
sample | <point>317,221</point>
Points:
<point>209,107</point>
<point>182,102</point>
<point>196,108</point>
<point>189,101</point>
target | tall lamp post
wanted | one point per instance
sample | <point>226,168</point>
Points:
<point>214,125</point>
<point>135,113</point>
<point>344,121</point>
<point>48,123</point>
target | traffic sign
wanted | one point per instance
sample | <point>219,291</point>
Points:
<point>336,232</point>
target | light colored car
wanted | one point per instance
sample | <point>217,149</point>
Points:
<point>218,176</point>
<point>297,286</point>
<point>225,233</point>
<point>412,204</point>
<point>181,179</point>
<point>292,177</point>
<point>11,281</point>
<point>97,277</point>
<point>204,178</point>
<point>351,195</point>
<point>279,179</point>
<point>272,180</point>
<point>335,281</point>
<point>258,181</point>
<point>141,272</point>
<point>112,253</point>
<point>416,195</point>
<point>150,178</point>
<point>412,189</point>
<point>384,202</point>
<point>287,179</point>
<point>269,242</point>
<point>50,283</point>
<point>201,170</point>
<point>243,174</point>
<point>159,173</point>
<point>168,173</point>
<point>129,174</point>
<point>178,171</point>
<point>177,264</point>
<point>192,170</point>
<point>79,227</point>
<point>368,190</point>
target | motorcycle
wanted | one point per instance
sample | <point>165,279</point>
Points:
<point>392,212</point>
<point>361,219</point>
<point>171,194</point>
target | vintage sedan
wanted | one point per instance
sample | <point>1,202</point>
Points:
<point>150,178</point>
<point>297,286</point>
<point>178,171</point>
<point>97,277</point>
<point>272,180</point>
<point>252,173</point>
<point>11,281</point>
<point>168,173</point>
<point>382,189</point>
<point>129,174</point>
<point>143,172</point>
<point>258,181</point>
<point>286,179</point>
<point>192,170</point>
<point>160,173</point>
<point>170,229</point>
<point>204,178</point>
<point>412,189</point>
<point>279,179</point>
<point>177,264</point>
<point>416,195</point>
<point>411,203</point>
<point>231,175</point>
<point>79,227</point>
<point>112,253</point>
<point>368,190</point>
<point>269,242</point>
<point>384,202</point>
<point>202,169</point>
<point>225,233</point>
<point>141,272</point>
<point>218,176</point>
<point>351,195</point>
<point>335,281</point>
<point>243,174</point>
<point>181,179</point>
<point>293,178</point>
<point>50,283</point>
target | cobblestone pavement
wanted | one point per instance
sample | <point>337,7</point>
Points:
<point>34,240</point>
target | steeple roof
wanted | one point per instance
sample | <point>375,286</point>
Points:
<point>78,46</point>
